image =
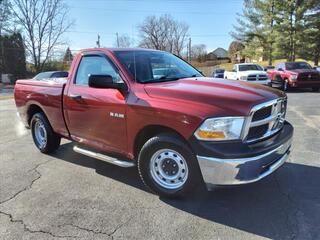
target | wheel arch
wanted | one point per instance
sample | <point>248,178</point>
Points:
<point>33,109</point>
<point>277,77</point>
<point>150,131</point>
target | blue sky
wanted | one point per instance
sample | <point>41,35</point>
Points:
<point>210,21</point>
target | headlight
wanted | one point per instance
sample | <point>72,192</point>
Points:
<point>243,78</point>
<point>293,77</point>
<point>224,128</point>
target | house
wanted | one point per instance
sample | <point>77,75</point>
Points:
<point>218,54</point>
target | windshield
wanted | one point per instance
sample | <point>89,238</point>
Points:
<point>249,67</point>
<point>155,66</point>
<point>297,65</point>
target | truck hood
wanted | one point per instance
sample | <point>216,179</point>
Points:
<point>232,97</point>
<point>252,72</point>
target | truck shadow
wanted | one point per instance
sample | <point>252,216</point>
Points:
<point>301,90</point>
<point>281,206</point>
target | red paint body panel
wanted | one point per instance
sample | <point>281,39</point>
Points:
<point>47,96</point>
<point>181,105</point>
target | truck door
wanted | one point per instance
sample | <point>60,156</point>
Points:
<point>96,117</point>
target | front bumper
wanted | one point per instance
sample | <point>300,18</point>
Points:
<point>245,163</point>
<point>303,84</point>
<point>264,82</point>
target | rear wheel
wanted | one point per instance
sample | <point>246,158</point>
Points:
<point>315,89</point>
<point>167,166</point>
<point>43,136</point>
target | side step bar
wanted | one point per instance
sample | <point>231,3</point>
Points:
<point>115,161</point>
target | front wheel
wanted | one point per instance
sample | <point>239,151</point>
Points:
<point>167,166</point>
<point>43,136</point>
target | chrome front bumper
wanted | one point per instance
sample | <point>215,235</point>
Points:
<point>217,171</point>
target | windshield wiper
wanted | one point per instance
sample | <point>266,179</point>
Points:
<point>192,76</point>
<point>167,79</point>
<point>161,80</point>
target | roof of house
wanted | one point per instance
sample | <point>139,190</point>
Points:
<point>220,52</point>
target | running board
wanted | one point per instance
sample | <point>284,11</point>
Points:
<point>108,159</point>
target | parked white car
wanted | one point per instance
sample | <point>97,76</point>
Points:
<point>248,72</point>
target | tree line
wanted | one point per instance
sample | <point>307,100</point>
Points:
<point>282,29</point>
<point>273,28</point>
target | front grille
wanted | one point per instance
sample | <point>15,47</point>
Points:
<point>257,77</point>
<point>265,120</point>
<point>309,77</point>
<point>262,113</point>
<point>257,132</point>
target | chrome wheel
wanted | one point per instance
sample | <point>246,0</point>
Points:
<point>40,134</point>
<point>169,169</point>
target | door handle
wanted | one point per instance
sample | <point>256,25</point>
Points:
<point>75,96</point>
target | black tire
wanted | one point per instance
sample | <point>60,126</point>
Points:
<point>52,142</point>
<point>171,142</point>
<point>315,89</point>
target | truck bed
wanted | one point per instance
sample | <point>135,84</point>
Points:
<point>46,94</point>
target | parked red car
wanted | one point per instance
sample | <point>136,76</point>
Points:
<point>177,126</point>
<point>294,75</point>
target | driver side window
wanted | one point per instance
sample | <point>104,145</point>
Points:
<point>99,65</point>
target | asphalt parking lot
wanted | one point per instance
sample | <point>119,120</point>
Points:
<point>67,195</point>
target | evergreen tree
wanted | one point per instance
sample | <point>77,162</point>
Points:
<point>13,55</point>
<point>311,36</point>
<point>281,28</point>
<point>68,57</point>
<point>290,28</point>
<point>256,27</point>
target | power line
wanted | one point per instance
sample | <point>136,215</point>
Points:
<point>168,1</point>
<point>152,11</point>
<point>136,35</point>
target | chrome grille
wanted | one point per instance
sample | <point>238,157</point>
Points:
<point>257,77</point>
<point>265,120</point>
<point>309,77</point>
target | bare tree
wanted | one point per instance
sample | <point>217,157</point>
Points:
<point>123,41</point>
<point>179,37</point>
<point>6,21</point>
<point>43,23</point>
<point>198,52</point>
<point>163,33</point>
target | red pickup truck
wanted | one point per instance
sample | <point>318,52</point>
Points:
<point>152,109</point>
<point>294,75</point>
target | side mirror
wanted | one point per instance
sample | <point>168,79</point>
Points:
<point>105,81</point>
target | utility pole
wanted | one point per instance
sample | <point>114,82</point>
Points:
<point>117,39</point>
<point>189,52</point>
<point>98,42</point>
